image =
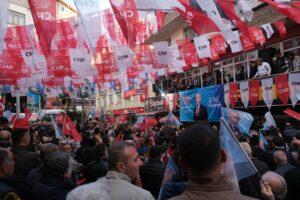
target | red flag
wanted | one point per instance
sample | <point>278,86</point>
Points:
<point>254,89</point>
<point>247,43</point>
<point>44,16</point>
<point>282,86</point>
<point>17,38</point>
<point>160,18</point>
<point>21,122</point>
<point>108,21</point>
<point>228,8</point>
<point>193,17</point>
<point>291,12</point>
<point>233,93</point>
<point>59,64</point>
<point>214,52</point>
<point>280,28</point>
<point>127,17</point>
<point>257,35</point>
<point>292,113</point>
<point>219,42</point>
<point>187,51</point>
<point>70,129</point>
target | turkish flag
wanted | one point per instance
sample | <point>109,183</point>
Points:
<point>21,121</point>
<point>233,93</point>
<point>282,87</point>
<point>247,43</point>
<point>291,11</point>
<point>214,52</point>
<point>254,89</point>
<point>193,16</point>
<point>70,129</point>
<point>292,113</point>
<point>280,28</point>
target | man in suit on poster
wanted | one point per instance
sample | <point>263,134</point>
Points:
<point>200,112</point>
<point>234,119</point>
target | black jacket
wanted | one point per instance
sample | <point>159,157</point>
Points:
<point>25,161</point>
<point>49,188</point>
<point>292,178</point>
<point>95,170</point>
<point>6,186</point>
<point>152,173</point>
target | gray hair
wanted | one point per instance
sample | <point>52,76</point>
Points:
<point>117,153</point>
<point>280,157</point>
<point>277,184</point>
<point>246,147</point>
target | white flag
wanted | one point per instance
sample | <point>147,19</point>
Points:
<point>158,4</point>
<point>202,45</point>
<point>244,90</point>
<point>268,29</point>
<point>39,70</point>
<point>28,56</point>
<point>226,95</point>
<point>18,91</point>
<point>123,57</point>
<point>267,91</point>
<point>86,7</point>
<point>235,42</point>
<point>294,83</point>
<point>80,61</point>
<point>176,61</point>
<point>162,52</point>
<point>245,8</point>
<point>3,22</point>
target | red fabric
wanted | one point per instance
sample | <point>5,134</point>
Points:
<point>193,16</point>
<point>151,121</point>
<point>247,43</point>
<point>219,42</point>
<point>10,65</point>
<point>70,129</point>
<point>254,88</point>
<point>282,87</point>
<point>17,38</point>
<point>21,122</point>
<point>160,18</point>
<point>257,35</point>
<point>291,12</point>
<point>214,52</point>
<point>280,28</point>
<point>44,16</point>
<point>233,93</point>
<point>59,64</point>
<point>228,8</point>
<point>187,51</point>
<point>108,21</point>
<point>292,113</point>
<point>127,17</point>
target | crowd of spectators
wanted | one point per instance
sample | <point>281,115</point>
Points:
<point>122,162</point>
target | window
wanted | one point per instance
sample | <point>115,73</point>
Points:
<point>15,18</point>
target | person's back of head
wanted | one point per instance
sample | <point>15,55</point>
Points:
<point>278,142</point>
<point>279,157</point>
<point>254,141</point>
<point>100,151</point>
<point>200,149</point>
<point>20,136</point>
<point>277,184</point>
<point>155,152</point>
<point>47,149</point>
<point>57,165</point>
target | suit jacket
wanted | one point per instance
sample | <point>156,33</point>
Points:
<point>202,113</point>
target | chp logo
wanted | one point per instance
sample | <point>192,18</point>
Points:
<point>123,57</point>
<point>162,53</point>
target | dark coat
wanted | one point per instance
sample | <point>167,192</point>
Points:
<point>49,188</point>
<point>283,169</point>
<point>25,161</point>
<point>6,186</point>
<point>292,178</point>
<point>152,174</point>
<point>202,114</point>
<point>95,170</point>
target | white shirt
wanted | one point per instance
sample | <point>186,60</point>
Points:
<point>263,69</point>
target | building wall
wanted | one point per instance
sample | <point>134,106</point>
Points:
<point>22,9</point>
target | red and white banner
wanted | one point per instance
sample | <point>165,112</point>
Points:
<point>282,87</point>
<point>59,64</point>
<point>291,12</point>
<point>257,35</point>
<point>280,26</point>
<point>254,88</point>
<point>233,93</point>
<point>218,41</point>
<point>267,91</point>
<point>3,22</point>
<point>268,29</point>
<point>123,57</point>
<point>244,92</point>
<point>294,83</point>
<point>187,51</point>
<point>70,129</point>
<point>235,42</point>
<point>80,62</point>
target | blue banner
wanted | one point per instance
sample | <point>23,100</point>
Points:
<point>201,104</point>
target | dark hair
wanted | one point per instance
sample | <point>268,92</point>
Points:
<point>278,141</point>
<point>18,135</point>
<point>155,152</point>
<point>116,153</point>
<point>3,120</point>
<point>56,165</point>
<point>200,147</point>
<point>47,150</point>
<point>99,150</point>
<point>254,141</point>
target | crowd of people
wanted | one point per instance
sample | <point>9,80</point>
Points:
<point>121,162</point>
<point>258,68</point>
